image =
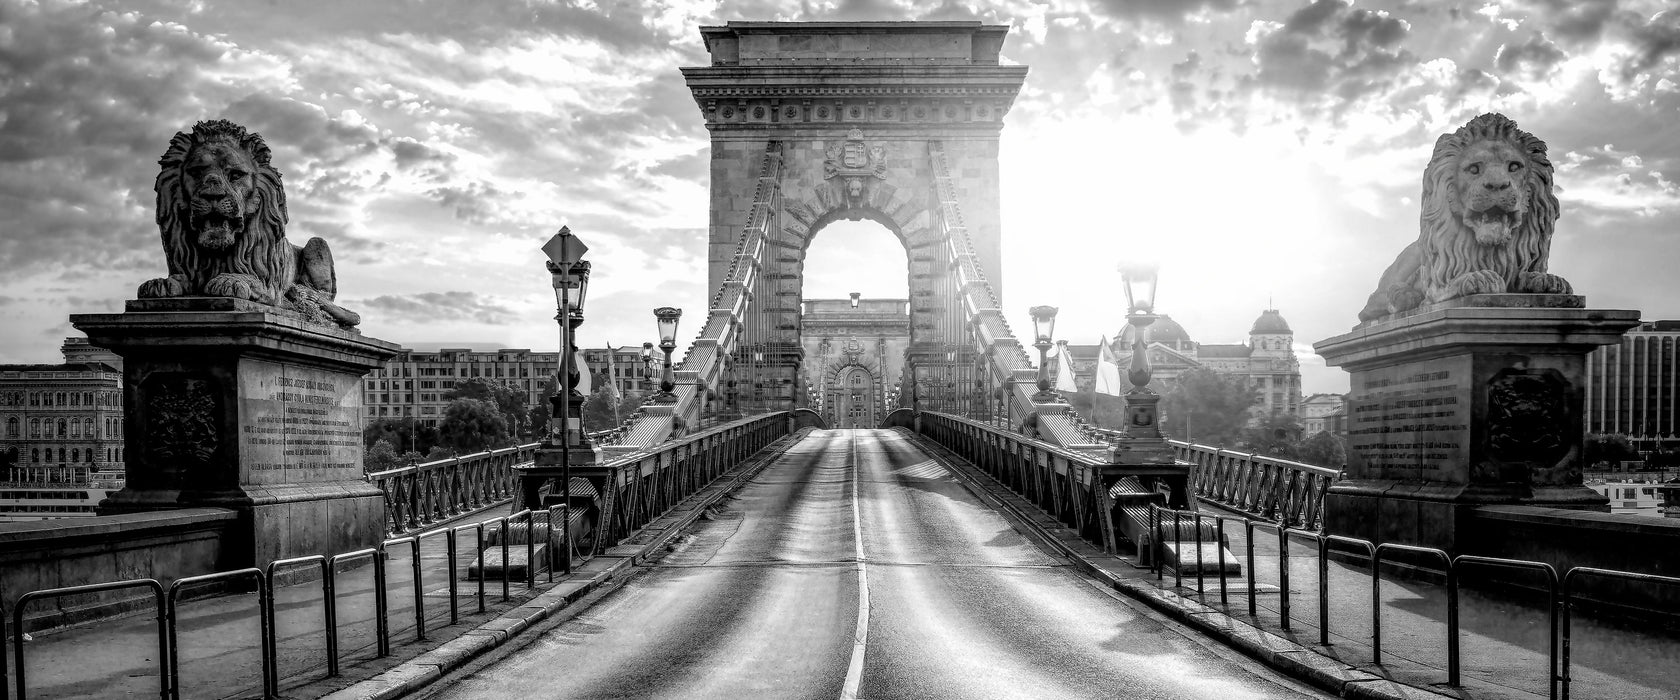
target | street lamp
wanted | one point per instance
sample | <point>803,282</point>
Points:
<point>1139,281</point>
<point>1044,327</point>
<point>667,318</point>
<point>855,297</point>
<point>569,275</point>
<point>647,362</point>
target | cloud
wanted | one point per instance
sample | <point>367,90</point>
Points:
<point>435,307</point>
<point>1329,54</point>
<point>1536,59</point>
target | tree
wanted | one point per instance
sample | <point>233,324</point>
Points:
<point>472,425</point>
<point>438,452</point>
<point>1277,435</point>
<point>380,457</point>
<point>1207,407</point>
<point>1608,448</point>
<point>1323,449</point>
<point>510,401</point>
<point>402,433</point>
<point>599,412</point>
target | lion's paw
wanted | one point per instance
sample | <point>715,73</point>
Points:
<point>171,286</point>
<point>234,285</point>
<point>1404,299</point>
<point>1478,282</point>
<point>1543,283</point>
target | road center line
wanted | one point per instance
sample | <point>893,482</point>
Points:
<point>860,637</point>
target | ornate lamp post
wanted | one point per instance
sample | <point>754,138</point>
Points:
<point>647,362</point>
<point>667,318</point>
<point>1139,281</point>
<point>1044,327</point>
<point>569,275</point>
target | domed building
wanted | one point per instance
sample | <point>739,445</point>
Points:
<point>1267,359</point>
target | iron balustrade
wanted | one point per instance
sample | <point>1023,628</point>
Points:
<point>164,630</point>
<point>1581,572</point>
<point>1267,487</point>
<point>265,608</point>
<point>421,494</point>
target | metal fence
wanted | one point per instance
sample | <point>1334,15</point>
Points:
<point>1560,591</point>
<point>642,487</point>
<point>1265,487</point>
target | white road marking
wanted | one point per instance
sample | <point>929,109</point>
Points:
<point>860,637</point>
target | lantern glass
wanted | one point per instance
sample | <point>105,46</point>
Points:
<point>667,318</point>
<point>855,297</point>
<point>571,284</point>
<point>1044,322</point>
<point>1139,280</point>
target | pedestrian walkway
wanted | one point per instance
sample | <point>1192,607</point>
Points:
<point>1503,641</point>
<point>219,637</point>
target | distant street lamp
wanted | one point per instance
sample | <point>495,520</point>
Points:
<point>667,318</point>
<point>855,297</point>
<point>1044,327</point>
<point>1141,403</point>
<point>647,362</point>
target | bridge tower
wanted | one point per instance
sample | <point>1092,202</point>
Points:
<point>814,122</point>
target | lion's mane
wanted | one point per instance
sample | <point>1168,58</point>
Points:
<point>1449,247</point>
<point>1446,260</point>
<point>261,249</point>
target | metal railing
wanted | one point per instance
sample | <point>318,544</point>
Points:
<point>1560,591</point>
<point>1266,487</point>
<point>418,495</point>
<point>643,486</point>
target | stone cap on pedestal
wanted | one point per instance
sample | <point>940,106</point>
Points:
<point>1491,321</point>
<point>203,323</point>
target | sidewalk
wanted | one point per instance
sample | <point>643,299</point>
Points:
<point>1503,642</point>
<point>219,637</point>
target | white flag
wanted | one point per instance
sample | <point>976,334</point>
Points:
<point>1064,369</point>
<point>584,385</point>
<point>1108,371</point>
<point>610,376</point>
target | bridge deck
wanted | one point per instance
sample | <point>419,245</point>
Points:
<point>857,563</point>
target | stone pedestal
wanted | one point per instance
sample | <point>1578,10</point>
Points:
<point>230,404</point>
<point>1474,401</point>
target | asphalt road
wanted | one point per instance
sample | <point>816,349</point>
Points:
<point>856,566</point>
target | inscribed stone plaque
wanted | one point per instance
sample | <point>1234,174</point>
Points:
<point>1411,421</point>
<point>298,425</point>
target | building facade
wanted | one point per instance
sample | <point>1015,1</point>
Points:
<point>1631,387</point>
<point>1316,411</point>
<point>413,384</point>
<point>1267,360</point>
<point>63,424</point>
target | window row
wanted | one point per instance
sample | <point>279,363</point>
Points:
<point>64,428</point>
<point>74,455</point>
<point>40,399</point>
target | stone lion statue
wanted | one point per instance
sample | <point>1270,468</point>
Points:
<point>222,212</point>
<point>1487,222</point>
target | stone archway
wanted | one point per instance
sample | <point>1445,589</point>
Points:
<point>854,397</point>
<point>811,123</point>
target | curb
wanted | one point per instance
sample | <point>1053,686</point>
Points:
<point>1277,652</point>
<point>416,674</point>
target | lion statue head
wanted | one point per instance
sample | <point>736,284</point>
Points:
<point>222,213</point>
<point>1487,222</point>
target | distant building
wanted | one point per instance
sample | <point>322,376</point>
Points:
<point>1631,387</point>
<point>1267,360</point>
<point>413,384</point>
<point>1316,409</point>
<point>63,423</point>
<point>854,360</point>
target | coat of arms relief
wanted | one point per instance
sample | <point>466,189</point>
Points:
<point>855,162</point>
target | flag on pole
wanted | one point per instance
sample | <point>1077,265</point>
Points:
<point>1064,368</point>
<point>584,386</point>
<point>1108,371</point>
<point>610,377</point>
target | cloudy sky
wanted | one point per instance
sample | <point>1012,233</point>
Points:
<point>1266,152</point>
